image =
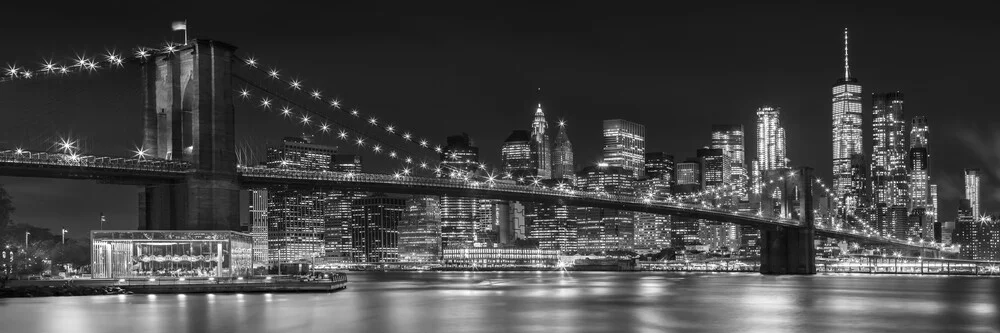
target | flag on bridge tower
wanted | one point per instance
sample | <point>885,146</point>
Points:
<point>181,25</point>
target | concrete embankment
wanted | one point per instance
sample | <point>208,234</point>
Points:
<point>238,288</point>
<point>82,287</point>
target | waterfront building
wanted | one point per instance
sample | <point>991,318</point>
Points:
<point>625,145</point>
<point>652,232</point>
<point>964,232</point>
<point>375,228</point>
<point>515,227</point>
<point>458,214</point>
<point>602,229</point>
<point>119,254</point>
<point>978,237</point>
<point>553,226</point>
<point>297,218</point>
<point>420,230</point>
<point>847,127</point>
<point>258,226</point>
<point>500,257</point>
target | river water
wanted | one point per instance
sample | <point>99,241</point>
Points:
<point>544,302</point>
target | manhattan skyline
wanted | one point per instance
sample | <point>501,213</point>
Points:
<point>677,79</point>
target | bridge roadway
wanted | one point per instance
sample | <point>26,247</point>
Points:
<point>262,176</point>
<point>18,163</point>
<point>22,163</point>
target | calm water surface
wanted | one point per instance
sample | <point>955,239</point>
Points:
<point>544,302</point>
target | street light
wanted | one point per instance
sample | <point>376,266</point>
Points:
<point>64,231</point>
<point>26,233</point>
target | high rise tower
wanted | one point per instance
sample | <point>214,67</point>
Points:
<point>625,145</point>
<point>730,139</point>
<point>770,139</point>
<point>540,144</point>
<point>889,149</point>
<point>918,164</point>
<point>562,155</point>
<point>458,214</point>
<point>972,177</point>
<point>516,156</point>
<point>847,120</point>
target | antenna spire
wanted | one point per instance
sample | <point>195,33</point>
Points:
<point>847,65</point>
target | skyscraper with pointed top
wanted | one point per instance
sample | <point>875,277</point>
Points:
<point>562,155</point>
<point>541,146</point>
<point>847,139</point>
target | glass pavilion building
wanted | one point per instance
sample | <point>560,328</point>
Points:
<point>144,253</point>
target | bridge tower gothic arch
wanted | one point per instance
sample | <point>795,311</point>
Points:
<point>188,115</point>
<point>787,249</point>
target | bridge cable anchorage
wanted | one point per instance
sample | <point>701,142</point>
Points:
<point>297,86</point>
<point>379,147</point>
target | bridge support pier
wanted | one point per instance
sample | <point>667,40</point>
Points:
<point>787,250</point>
<point>189,116</point>
<point>792,250</point>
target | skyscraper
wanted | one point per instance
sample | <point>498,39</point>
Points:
<point>258,225</point>
<point>420,230</point>
<point>689,173</point>
<point>562,155</point>
<point>602,229</point>
<point>889,149</point>
<point>730,139</point>
<point>972,177</point>
<point>625,145</point>
<point>297,218</point>
<point>652,232</point>
<point>516,156</point>
<point>933,219</point>
<point>918,164</point>
<point>375,231</point>
<point>660,166</point>
<point>770,139</point>
<point>715,168</point>
<point>541,146</point>
<point>552,225</point>
<point>847,122</point>
<point>339,244</point>
<point>458,214</point>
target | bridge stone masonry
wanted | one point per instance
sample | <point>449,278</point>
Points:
<point>189,116</point>
<point>189,177</point>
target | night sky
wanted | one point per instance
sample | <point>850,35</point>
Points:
<point>467,67</point>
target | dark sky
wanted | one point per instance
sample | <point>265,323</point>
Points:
<point>442,69</point>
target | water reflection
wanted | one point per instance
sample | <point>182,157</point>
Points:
<point>543,302</point>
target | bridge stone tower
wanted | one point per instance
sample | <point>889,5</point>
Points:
<point>188,115</point>
<point>791,250</point>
